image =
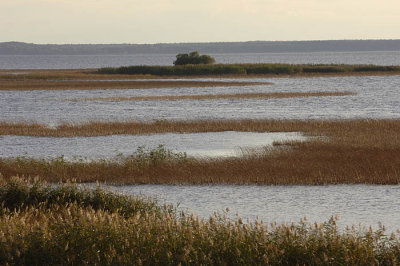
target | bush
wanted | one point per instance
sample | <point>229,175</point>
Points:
<point>194,58</point>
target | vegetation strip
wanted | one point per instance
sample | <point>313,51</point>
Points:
<point>93,75</point>
<point>344,152</point>
<point>244,69</point>
<point>135,84</point>
<point>94,128</point>
<point>41,224</point>
<point>272,95</point>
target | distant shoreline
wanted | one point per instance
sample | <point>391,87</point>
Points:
<point>21,48</point>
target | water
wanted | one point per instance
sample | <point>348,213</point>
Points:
<point>211,144</point>
<point>366,204</point>
<point>96,61</point>
<point>377,97</point>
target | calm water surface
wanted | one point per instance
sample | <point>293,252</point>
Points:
<point>377,97</point>
<point>212,144</point>
<point>96,61</point>
<point>366,204</point>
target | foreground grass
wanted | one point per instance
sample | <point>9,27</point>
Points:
<point>272,95</point>
<point>45,225</point>
<point>340,152</point>
<point>245,69</point>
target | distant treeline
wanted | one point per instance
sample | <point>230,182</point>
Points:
<point>243,69</point>
<point>20,48</point>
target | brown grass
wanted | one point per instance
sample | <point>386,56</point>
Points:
<point>92,74</point>
<point>273,95</point>
<point>351,151</point>
<point>311,127</point>
<point>67,74</point>
<point>126,84</point>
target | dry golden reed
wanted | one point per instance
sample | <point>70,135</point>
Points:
<point>42,224</point>
<point>349,151</point>
<point>272,95</point>
<point>112,84</point>
<point>93,75</point>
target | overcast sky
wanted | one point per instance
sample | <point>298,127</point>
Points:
<point>168,21</point>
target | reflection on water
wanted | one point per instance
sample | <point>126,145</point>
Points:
<point>377,97</point>
<point>212,144</point>
<point>366,204</point>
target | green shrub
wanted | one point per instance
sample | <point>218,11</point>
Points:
<point>193,58</point>
<point>323,69</point>
<point>376,68</point>
<point>242,69</point>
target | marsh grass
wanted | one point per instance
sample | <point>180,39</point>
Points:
<point>112,84</point>
<point>277,95</point>
<point>46,78</point>
<point>340,152</point>
<point>354,129</point>
<point>57,74</point>
<point>245,69</point>
<point>19,193</point>
<point>69,232</point>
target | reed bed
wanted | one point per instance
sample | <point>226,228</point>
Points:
<point>276,95</point>
<point>339,152</point>
<point>48,232</point>
<point>58,74</point>
<point>110,84</point>
<point>246,69</point>
<point>26,76</point>
<point>355,129</point>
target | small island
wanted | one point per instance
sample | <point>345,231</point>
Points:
<point>193,58</point>
<point>194,64</point>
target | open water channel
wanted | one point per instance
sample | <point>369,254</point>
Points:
<point>377,97</point>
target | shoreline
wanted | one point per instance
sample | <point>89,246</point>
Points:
<point>91,74</point>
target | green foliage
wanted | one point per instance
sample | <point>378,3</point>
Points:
<point>107,70</point>
<point>19,192</point>
<point>159,154</point>
<point>243,69</point>
<point>177,70</point>
<point>376,68</point>
<point>193,58</point>
<point>324,69</point>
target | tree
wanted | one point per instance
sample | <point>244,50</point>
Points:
<point>193,58</point>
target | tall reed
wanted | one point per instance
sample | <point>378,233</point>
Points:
<point>244,69</point>
<point>68,232</point>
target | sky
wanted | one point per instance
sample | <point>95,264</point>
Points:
<point>173,21</point>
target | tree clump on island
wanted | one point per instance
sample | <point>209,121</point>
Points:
<point>193,58</point>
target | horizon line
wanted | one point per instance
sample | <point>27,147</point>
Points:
<point>211,42</point>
